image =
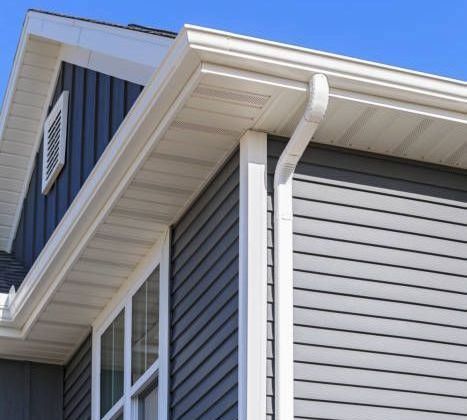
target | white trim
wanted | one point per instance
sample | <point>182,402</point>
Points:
<point>283,245</point>
<point>164,330</point>
<point>298,63</point>
<point>36,144</point>
<point>253,277</point>
<point>137,46</point>
<point>157,256</point>
<point>108,64</point>
<point>127,367</point>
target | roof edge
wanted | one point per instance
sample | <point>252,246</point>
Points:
<point>344,73</point>
<point>130,26</point>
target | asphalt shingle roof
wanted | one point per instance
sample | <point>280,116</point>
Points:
<point>12,272</point>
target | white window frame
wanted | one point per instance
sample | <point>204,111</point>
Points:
<point>159,255</point>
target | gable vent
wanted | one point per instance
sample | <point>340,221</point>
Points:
<point>55,130</point>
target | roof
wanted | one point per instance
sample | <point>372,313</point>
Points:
<point>130,26</point>
<point>12,272</point>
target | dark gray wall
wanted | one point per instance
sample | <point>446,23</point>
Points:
<point>30,391</point>
<point>97,105</point>
<point>379,287</point>
<point>77,384</point>
<point>204,303</point>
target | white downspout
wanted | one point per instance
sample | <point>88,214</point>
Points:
<point>283,244</point>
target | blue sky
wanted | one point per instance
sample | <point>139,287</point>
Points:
<point>424,35</point>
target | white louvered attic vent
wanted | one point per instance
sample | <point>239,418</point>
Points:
<point>55,130</point>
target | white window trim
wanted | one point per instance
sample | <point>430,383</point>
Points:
<point>158,256</point>
<point>252,369</point>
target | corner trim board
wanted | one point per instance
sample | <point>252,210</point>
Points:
<point>252,277</point>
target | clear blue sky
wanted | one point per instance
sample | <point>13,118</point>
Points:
<point>425,35</point>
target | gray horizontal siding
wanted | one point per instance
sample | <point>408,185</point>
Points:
<point>380,287</point>
<point>30,391</point>
<point>77,384</point>
<point>204,303</point>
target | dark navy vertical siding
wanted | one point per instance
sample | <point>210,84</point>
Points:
<point>97,105</point>
<point>204,303</point>
<point>30,391</point>
<point>77,384</point>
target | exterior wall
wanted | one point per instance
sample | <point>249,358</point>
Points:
<point>77,384</point>
<point>30,391</point>
<point>204,303</point>
<point>379,287</point>
<point>97,105</point>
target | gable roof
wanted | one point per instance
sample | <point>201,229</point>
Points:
<point>129,52</point>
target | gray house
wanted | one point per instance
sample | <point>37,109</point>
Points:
<point>212,226</point>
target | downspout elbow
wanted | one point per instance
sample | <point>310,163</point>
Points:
<point>283,244</point>
<point>318,98</point>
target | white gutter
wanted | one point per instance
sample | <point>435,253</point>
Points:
<point>283,244</point>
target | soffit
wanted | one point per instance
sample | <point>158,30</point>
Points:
<point>201,135</point>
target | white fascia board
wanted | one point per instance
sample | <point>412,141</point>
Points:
<point>107,64</point>
<point>13,78</point>
<point>342,72</point>
<point>135,46</point>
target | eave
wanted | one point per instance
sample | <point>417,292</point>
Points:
<point>210,88</point>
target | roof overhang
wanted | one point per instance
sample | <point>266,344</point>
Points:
<point>47,40</point>
<point>210,88</point>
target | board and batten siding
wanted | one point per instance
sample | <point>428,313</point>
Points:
<point>380,287</point>
<point>97,105</point>
<point>204,303</point>
<point>77,384</point>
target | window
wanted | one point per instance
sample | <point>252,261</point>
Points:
<point>147,403</point>
<point>112,363</point>
<point>128,362</point>
<point>145,326</point>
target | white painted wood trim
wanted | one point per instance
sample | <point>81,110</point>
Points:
<point>253,276</point>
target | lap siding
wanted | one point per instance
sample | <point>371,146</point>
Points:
<point>380,287</point>
<point>204,302</point>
